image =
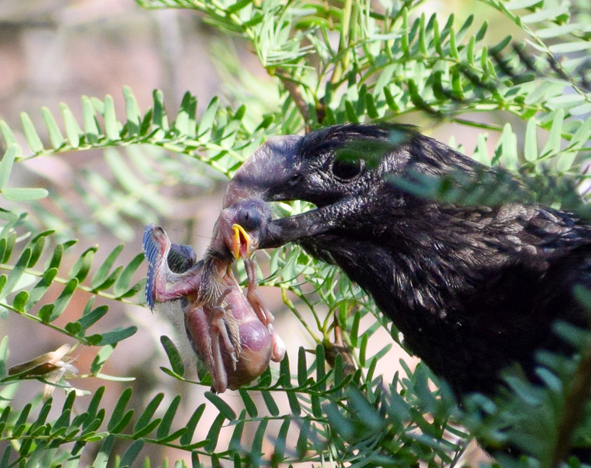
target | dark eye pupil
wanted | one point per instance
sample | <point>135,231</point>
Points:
<point>248,221</point>
<point>347,169</point>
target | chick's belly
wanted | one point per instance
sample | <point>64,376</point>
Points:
<point>254,358</point>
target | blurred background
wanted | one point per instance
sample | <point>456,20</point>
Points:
<point>55,51</point>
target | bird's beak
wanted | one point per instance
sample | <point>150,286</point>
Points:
<point>241,242</point>
<point>265,176</point>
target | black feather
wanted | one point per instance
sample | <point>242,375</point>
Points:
<point>473,289</point>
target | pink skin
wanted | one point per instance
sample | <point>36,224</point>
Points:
<point>230,333</point>
<point>207,332</point>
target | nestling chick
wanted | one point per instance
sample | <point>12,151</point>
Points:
<point>232,335</point>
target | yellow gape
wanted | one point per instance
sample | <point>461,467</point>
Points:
<point>240,242</point>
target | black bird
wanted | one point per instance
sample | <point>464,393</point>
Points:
<point>473,289</point>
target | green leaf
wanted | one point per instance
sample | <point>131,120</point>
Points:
<point>102,274</point>
<point>117,335</point>
<point>168,418</point>
<point>207,120</point>
<point>3,357</point>
<point>405,42</point>
<point>31,135</point>
<point>256,447</point>
<point>144,431</point>
<point>185,121</point>
<point>93,406</point>
<point>544,14</point>
<point>73,131</point>
<point>234,444</point>
<point>583,109</point>
<point>294,404</point>
<point>15,275</point>
<point>64,298</point>
<point>174,357</point>
<point>519,4</point>
<point>131,453</point>
<point>159,117</point>
<point>55,135</point>
<point>91,126</point>
<point>121,286</point>
<point>270,402</point>
<point>56,258</point>
<point>187,437</point>
<point>24,194</point>
<point>506,153</point>
<point>351,112</point>
<point>302,367</point>
<point>249,403</point>
<point>132,112</point>
<point>20,301</point>
<point>45,313</point>
<point>19,425</point>
<point>280,443</point>
<point>500,46</point>
<point>222,406</point>
<point>583,134</point>
<point>319,363</point>
<point>37,244</point>
<point>146,417</point>
<point>10,155</point>
<point>112,125</point>
<point>363,349</point>
<point>553,145</point>
<point>100,359</point>
<point>82,266</point>
<point>359,405</point>
<point>304,438</point>
<point>214,432</point>
<point>89,319</point>
<point>342,426</point>
<point>563,29</point>
<point>7,135</point>
<point>566,160</point>
<point>530,147</point>
<point>119,413</point>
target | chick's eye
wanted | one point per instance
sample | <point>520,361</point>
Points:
<point>347,169</point>
<point>248,220</point>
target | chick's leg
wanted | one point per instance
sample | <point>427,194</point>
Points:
<point>263,313</point>
<point>224,328</point>
<point>206,346</point>
<point>218,370</point>
<point>254,296</point>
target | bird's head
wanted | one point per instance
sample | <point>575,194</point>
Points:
<point>240,226</point>
<point>322,167</point>
<point>346,171</point>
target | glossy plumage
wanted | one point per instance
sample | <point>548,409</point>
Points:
<point>473,289</point>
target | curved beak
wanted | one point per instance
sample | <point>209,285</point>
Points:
<point>241,242</point>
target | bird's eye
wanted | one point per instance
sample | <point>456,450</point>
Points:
<point>295,179</point>
<point>347,169</point>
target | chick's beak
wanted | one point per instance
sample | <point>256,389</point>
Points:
<point>241,242</point>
